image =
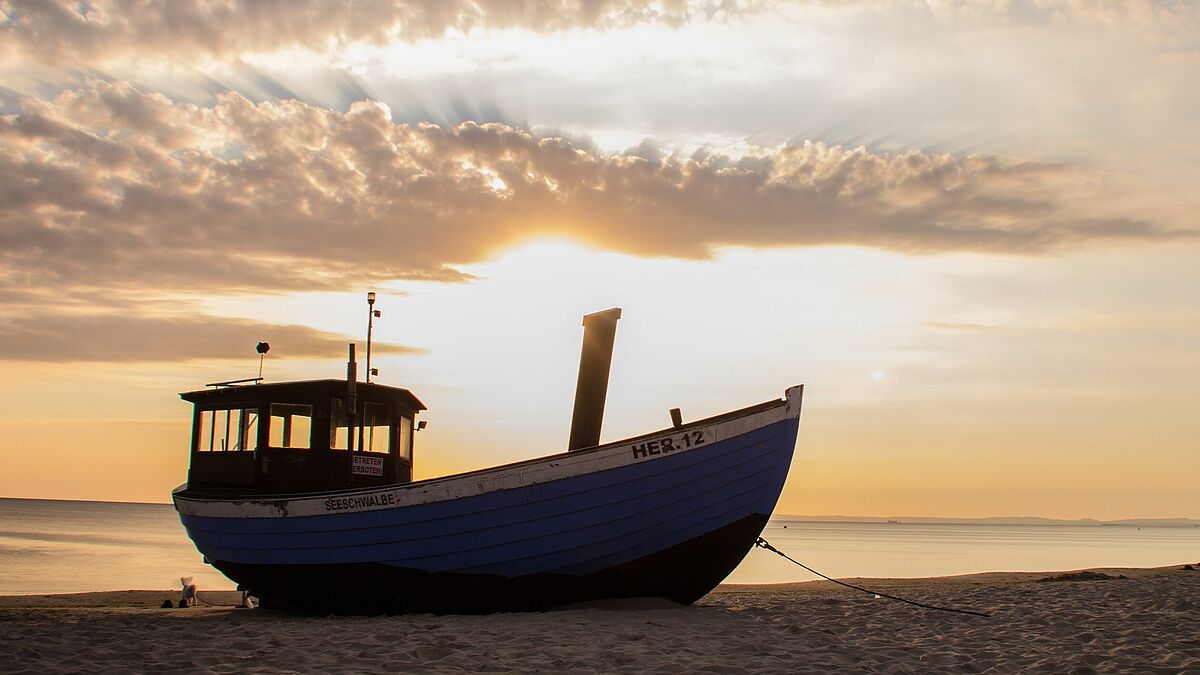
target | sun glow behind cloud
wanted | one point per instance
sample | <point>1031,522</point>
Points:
<point>499,378</point>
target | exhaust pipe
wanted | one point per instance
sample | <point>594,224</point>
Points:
<point>595,362</point>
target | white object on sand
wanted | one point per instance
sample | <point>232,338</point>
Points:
<point>188,597</point>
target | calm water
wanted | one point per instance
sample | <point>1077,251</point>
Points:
<point>64,547</point>
<point>61,547</point>
<point>920,550</point>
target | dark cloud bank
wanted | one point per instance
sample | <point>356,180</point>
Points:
<point>109,188</point>
<point>60,337</point>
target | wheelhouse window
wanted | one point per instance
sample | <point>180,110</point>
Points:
<point>406,435</point>
<point>376,432</point>
<point>230,429</point>
<point>339,425</point>
<point>373,434</point>
<point>291,425</point>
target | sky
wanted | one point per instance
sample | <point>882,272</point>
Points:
<point>967,227</point>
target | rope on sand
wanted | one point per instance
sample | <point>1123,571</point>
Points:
<point>213,604</point>
<point>764,544</point>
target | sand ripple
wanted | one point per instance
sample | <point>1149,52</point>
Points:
<point>1144,624</point>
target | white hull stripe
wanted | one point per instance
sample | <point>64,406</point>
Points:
<point>615,455</point>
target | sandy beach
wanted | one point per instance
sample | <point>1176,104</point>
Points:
<point>1145,622</point>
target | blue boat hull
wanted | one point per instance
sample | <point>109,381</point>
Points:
<point>673,528</point>
<point>682,573</point>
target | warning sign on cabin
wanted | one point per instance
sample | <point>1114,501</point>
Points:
<point>367,466</point>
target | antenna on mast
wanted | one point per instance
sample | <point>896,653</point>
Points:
<point>372,314</point>
<point>262,350</point>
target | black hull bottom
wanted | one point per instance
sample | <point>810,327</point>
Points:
<point>682,573</point>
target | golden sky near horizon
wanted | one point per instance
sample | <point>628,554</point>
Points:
<point>968,228</point>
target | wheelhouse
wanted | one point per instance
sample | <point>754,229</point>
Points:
<point>308,436</point>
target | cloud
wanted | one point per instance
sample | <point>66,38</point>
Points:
<point>63,31</point>
<point>67,337</point>
<point>109,187</point>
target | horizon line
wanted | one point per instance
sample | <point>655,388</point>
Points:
<point>830,518</point>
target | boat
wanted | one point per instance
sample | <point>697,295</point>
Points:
<point>301,492</point>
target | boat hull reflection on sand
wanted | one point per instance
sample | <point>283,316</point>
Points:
<point>668,514</point>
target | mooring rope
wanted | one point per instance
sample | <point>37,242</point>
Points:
<point>764,544</point>
<point>213,604</point>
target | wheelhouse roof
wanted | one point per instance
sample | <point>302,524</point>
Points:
<point>299,390</point>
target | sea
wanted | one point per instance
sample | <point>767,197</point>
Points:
<point>77,546</point>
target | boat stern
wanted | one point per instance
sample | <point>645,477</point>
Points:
<point>794,397</point>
